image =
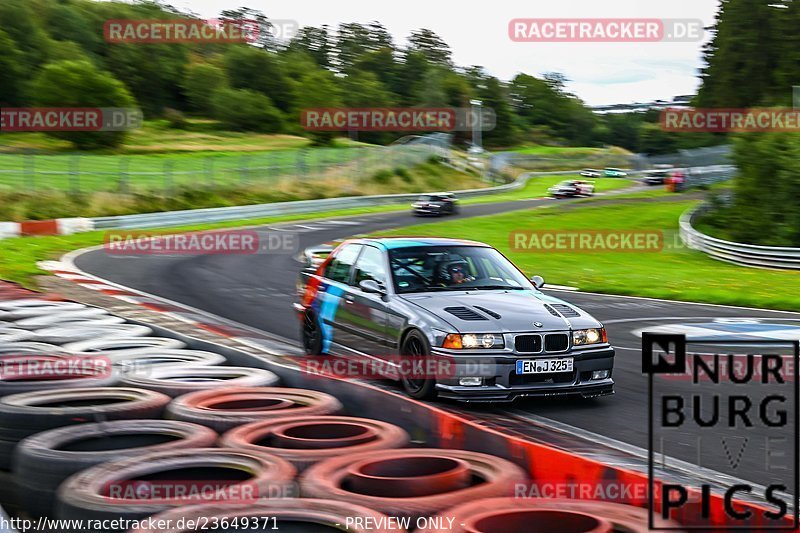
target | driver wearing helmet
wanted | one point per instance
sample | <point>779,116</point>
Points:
<point>455,273</point>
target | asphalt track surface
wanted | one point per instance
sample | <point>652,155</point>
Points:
<point>258,290</point>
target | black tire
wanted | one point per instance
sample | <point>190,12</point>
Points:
<point>22,415</point>
<point>311,333</point>
<point>43,461</point>
<point>9,501</point>
<point>416,345</point>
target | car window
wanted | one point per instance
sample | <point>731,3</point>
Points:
<point>370,266</point>
<point>339,267</point>
<point>457,267</point>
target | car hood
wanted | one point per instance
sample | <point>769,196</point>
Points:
<point>501,311</point>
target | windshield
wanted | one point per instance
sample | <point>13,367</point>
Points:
<point>447,268</point>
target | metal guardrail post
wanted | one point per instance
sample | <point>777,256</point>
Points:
<point>30,172</point>
<point>75,174</point>
<point>124,178</point>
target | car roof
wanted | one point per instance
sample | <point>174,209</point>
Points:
<point>392,243</point>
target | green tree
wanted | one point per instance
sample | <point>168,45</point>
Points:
<point>200,83</point>
<point>10,68</point>
<point>259,70</point>
<point>20,23</point>
<point>246,110</point>
<point>81,84</point>
<point>364,89</point>
<point>743,56</point>
<point>494,97</point>
<point>766,207</point>
<point>318,88</point>
<point>431,46</point>
<point>316,42</point>
<point>353,40</point>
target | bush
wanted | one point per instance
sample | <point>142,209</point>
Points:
<point>246,110</point>
<point>81,84</point>
<point>404,174</point>
<point>766,205</point>
<point>382,176</point>
<point>200,83</point>
<point>176,119</point>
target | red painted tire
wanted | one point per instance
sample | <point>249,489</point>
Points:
<point>324,516</point>
<point>223,409</point>
<point>142,486</point>
<point>394,479</point>
<point>524,515</point>
<point>309,439</point>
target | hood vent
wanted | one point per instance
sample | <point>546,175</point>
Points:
<point>465,313</point>
<point>566,310</point>
<point>551,310</point>
<point>488,312</point>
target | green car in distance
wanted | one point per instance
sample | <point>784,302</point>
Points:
<point>614,173</point>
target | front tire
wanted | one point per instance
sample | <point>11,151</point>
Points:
<point>416,345</point>
<point>311,333</point>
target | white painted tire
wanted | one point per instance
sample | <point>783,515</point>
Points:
<point>90,314</point>
<point>176,380</point>
<point>18,309</point>
<point>75,333</point>
<point>122,346</point>
<point>156,358</point>
<point>9,335</point>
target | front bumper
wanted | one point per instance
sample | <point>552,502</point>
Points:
<point>502,384</point>
<point>435,211</point>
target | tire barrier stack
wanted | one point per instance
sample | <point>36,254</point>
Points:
<point>185,437</point>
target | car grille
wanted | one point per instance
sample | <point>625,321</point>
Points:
<point>528,343</point>
<point>556,342</point>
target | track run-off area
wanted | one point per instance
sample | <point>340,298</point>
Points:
<point>258,291</point>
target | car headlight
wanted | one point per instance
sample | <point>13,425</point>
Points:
<point>582,337</point>
<point>471,341</point>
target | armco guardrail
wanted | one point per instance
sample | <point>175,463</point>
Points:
<point>734,252</point>
<point>219,214</point>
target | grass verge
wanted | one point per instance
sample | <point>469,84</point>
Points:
<point>673,273</point>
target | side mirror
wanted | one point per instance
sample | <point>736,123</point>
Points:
<point>371,286</point>
<point>538,281</point>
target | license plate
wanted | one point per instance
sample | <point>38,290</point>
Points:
<point>544,366</point>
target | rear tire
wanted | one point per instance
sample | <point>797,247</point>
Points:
<point>312,334</point>
<point>416,345</point>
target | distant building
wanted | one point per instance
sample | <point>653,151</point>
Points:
<point>677,101</point>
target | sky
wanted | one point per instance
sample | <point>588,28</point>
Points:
<point>599,73</point>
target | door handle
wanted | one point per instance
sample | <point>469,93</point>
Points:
<point>348,299</point>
